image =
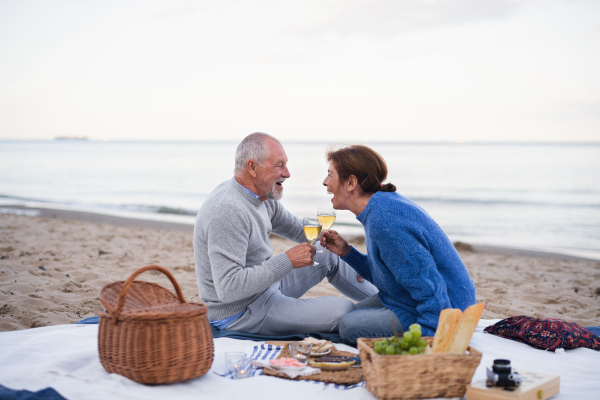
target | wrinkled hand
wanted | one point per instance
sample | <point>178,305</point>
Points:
<point>333,242</point>
<point>301,255</point>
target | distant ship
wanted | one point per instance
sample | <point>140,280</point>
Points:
<point>80,137</point>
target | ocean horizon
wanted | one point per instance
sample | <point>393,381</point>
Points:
<point>538,196</point>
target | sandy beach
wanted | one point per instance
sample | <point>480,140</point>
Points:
<point>53,266</point>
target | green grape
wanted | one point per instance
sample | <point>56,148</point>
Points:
<point>410,342</point>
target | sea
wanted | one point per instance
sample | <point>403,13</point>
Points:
<point>532,196</point>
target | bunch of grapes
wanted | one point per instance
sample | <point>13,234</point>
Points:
<point>410,342</point>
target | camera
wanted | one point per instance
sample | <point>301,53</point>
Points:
<point>502,374</point>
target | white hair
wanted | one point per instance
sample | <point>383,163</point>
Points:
<point>253,147</point>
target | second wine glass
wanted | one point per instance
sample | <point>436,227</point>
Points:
<point>326,216</point>
<point>312,230</point>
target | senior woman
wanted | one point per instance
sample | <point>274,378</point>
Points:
<point>409,258</point>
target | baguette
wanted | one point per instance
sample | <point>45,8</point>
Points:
<point>447,325</point>
<point>466,327</point>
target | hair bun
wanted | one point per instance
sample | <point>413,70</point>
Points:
<point>388,187</point>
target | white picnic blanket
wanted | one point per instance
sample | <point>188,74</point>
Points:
<point>65,357</point>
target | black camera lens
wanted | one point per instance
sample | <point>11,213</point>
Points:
<point>501,366</point>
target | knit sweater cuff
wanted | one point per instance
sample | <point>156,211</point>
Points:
<point>280,265</point>
<point>355,258</point>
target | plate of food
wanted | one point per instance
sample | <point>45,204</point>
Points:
<point>320,347</point>
<point>320,353</point>
<point>332,366</point>
<point>286,363</point>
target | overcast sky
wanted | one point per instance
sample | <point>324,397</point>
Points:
<point>331,70</point>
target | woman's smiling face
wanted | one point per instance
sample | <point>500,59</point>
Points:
<point>335,187</point>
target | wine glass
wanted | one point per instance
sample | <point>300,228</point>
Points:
<point>326,216</point>
<point>312,230</point>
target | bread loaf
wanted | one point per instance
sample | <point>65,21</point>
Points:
<point>466,327</point>
<point>447,325</point>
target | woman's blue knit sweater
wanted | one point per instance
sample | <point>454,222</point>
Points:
<point>411,261</point>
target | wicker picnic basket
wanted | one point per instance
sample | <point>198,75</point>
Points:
<point>150,335</point>
<point>419,376</point>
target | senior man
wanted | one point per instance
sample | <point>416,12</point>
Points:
<point>248,289</point>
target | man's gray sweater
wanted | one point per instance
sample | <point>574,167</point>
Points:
<point>234,257</point>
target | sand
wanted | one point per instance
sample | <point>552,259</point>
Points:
<point>52,270</point>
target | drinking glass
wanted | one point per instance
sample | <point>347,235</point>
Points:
<point>300,351</point>
<point>326,216</point>
<point>312,230</point>
<point>238,364</point>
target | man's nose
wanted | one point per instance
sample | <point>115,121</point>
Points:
<point>286,172</point>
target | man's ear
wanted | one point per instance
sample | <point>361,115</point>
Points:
<point>251,166</point>
<point>352,183</point>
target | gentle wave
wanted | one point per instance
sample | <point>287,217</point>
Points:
<point>497,202</point>
<point>109,207</point>
<point>423,201</point>
<point>168,209</point>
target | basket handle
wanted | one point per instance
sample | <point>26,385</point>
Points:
<point>129,282</point>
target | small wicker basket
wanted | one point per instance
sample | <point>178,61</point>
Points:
<point>152,336</point>
<point>419,376</point>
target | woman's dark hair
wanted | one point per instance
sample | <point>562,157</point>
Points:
<point>365,164</point>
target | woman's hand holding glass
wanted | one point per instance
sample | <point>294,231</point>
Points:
<point>335,243</point>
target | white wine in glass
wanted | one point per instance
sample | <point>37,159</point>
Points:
<point>312,230</point>
<point>326,216</point>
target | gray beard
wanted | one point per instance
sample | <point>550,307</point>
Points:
<point>273,194</point>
